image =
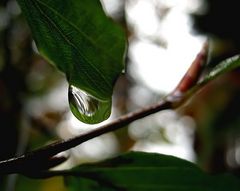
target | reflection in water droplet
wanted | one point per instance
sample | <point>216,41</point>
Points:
<point>86,104</point>
<point>87,108</point>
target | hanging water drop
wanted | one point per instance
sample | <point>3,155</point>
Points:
<point>86,107</point>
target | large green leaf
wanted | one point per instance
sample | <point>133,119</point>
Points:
<point>138,171</point>
<point>77,37</point>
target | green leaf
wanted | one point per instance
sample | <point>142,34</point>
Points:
<point>86,45</point>
<point>223,67</point>
<point>137,171</point>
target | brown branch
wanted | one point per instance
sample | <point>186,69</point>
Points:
<point>194,72</point>
<point>43,158</point>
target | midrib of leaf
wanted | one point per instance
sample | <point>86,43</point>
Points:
<point>66,38</point>
<point>69,41</point>
<point>75,27</point>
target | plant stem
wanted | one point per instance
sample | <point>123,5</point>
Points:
<point>18,164</point>
<point>43,158</point>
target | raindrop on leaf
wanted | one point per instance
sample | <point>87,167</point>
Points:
<point>86,107</point>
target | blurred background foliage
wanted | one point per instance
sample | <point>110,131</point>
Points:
<point>33,94</point>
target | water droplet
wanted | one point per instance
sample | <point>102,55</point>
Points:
<point>123,71</point>
<point>87,108</point>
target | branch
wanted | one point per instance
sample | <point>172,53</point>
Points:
<point>40,158</point>
<point>44,158</point>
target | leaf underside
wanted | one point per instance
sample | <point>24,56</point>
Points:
<point>78,38</point>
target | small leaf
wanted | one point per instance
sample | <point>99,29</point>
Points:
<point>223,67</point>
<point>137,171</point>
<point>78,38</point>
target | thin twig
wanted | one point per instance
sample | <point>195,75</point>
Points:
<point>42,159</point>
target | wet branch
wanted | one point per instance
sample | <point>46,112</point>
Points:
<point>44,158</point>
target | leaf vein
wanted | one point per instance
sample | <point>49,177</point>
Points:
<point>71,43</point>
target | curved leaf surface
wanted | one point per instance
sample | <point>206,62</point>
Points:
<point>138,171</point>
<point>78,38</point>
